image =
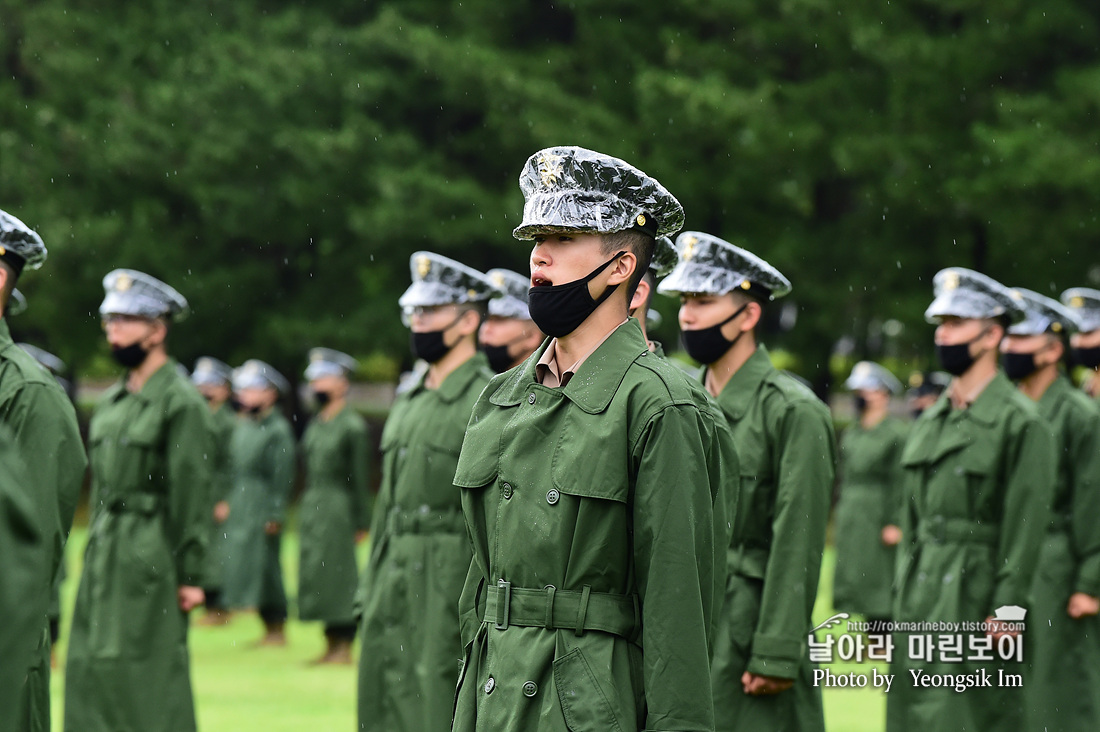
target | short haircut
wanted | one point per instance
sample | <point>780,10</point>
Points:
<point>481,308</point>
<point>635,241</point>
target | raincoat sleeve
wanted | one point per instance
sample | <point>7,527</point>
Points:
<point>1029,476</point>
<point>805,470</point>
<point>893,488</point>
<point>358,455</point>
<point>674,559</point>
<point>282,466</point>
<point>44,427</point>
<point>189,436</point>
<point>1084,527</point>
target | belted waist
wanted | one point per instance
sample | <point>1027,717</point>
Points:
<point>144,503</point>
<point>942,530</point>
<point>556,609</point>
<point>426,521</point>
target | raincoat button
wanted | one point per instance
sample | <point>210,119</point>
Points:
<point>490,685</point>
<point>552,496</point>
<point>531,398</point>
<point>530,688</point>
<point>506,489</point>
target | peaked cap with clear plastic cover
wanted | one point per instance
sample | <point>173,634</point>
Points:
<point>255,374</point>
<point>1043,314</point>
<point>129,292</point>
<point>20,246</point>
<point>714,266</point>
<point>515,289</point>
<point>437,280</point>
<point>572,189</point>
<point>211,372</point>
<point>1085,304</point>
<point>329,362</point>
<point>964,293</point>
<point>17,304</point>
<point>45,359</point>
<point>664,258</point>
<point>870,375</point>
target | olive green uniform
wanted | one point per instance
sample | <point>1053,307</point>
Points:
<point>221,485</point>
<point>589,507</point>
<point>785,439</point>
<point>23,597</point>
<point>128,666</point>
<point>334,506</point>
<point>1063,682</point>
<point>870,462</point>
<point>419,557</point>
<point>263,458</point>
<point>42,424</point>
<point>975,506</point>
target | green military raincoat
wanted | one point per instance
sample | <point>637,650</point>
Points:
<point>419,556</point>
<point>785,439</point>
<point>589,600</point>
<point>221,486</point>
<point>263,458</point>
<point>975,507</point>
<point>869,496</point>
<point>128,665</point>
<point>334,506</point>
<point>23,597</point>
<point>1063,681</point>
<point>43,426</point>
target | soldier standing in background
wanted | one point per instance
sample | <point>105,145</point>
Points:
<point>978,477</point>
<point>149,441</point>
<point>419,549</point>
<point>42,424</point>
<point>1085,303</point>
<point>334,512</point>
<point>1063,679</point>
<point>263,458</point>
<point>865,526</point>
<point>508,336</point>
<point>213,379</point>
<point>762,677</point>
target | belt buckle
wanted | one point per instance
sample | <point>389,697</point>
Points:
<point>504,597</point>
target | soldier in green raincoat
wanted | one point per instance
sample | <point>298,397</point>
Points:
<point>589,476</point>
<point>213,379</point>
<point>508,336</point>
<point>1086,343</point>
<point>334,512</point>
<point>42,423</point>
<point>1063,678</point>
<point>25,549</point>
<point>762,677</point>
<point>978,477</point>
<point>419,555</point>
<point>865,526</point>
<point>263,459</point>
<point>149,441</point>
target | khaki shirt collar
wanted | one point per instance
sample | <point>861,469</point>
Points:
<point>548,370</point>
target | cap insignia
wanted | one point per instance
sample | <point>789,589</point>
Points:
<point>471,293</point>
<point>689,248</point>
<point>550,169</point>
<point>123,282</point>
<point>745,284</point>
<point>423,266</point>
<point>497,279</point>
<point>1077,301</point>
<point>951,281</point>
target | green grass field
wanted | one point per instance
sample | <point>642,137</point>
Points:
<point>240,689</point>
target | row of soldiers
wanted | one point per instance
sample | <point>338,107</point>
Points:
<point>603,541</point>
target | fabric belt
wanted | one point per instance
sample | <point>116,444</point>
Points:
<point>426,521</point>
<point>943,530</point>
<point>144,503</point>
<point>556,609</point>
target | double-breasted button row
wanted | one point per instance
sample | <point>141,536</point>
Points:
<point>552,496</point>
<point>530,688</point>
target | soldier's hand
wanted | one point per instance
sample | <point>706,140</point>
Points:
<point>271,528</point>
<point>221,511</point>
<point>1082,605</point>
<point>190,597</point>
<point>891,535</point>
<point>361,535</point>
<point>760,685</point>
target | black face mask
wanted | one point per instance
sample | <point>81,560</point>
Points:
<point>252,412</point>
<point>707,345</point>
<point>321,399</point>
<point>916,412</point>
<point>430,346</point>
<point>559,309</point>
<point>499,358</point>
<point>1018,365</point>
<point>235,403</point>
<point>130,356</point>
<point>860,403</point>
<point>956,359</point>
<point>1087,357</point>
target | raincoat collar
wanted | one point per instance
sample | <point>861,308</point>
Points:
<point>740,391</point>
